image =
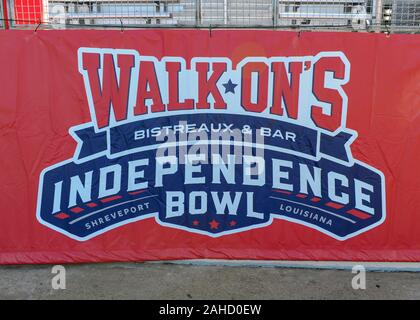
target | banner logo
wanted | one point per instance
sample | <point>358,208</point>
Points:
<point>212,148</point>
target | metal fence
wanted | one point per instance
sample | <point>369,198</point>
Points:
<point>355,15</point>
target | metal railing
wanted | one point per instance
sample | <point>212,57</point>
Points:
<point>355,15</point>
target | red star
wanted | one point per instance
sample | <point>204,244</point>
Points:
<point>214,224</point>
<point>196,222</point>
<point>232,223</point>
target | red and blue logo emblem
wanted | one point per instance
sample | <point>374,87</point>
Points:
<point>212,148</point>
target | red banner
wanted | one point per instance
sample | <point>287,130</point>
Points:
<point>189,144</point>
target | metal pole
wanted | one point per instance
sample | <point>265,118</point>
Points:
<point>225,12</point>
<point>275,12</point>
<point>378,14</point>
<point>45,11</point>
<point>197,13</point>
<point>1,15</point>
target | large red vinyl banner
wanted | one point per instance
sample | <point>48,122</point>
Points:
<point>189,144</point>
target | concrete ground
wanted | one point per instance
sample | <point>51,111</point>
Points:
<point>174,281</point>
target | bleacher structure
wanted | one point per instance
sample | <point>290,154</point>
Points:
<point>311,14</point>
<point>213,12</point>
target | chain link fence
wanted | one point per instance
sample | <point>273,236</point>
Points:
<point>352,15</point>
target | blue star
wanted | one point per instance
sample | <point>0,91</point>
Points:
<point>229,86</point>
